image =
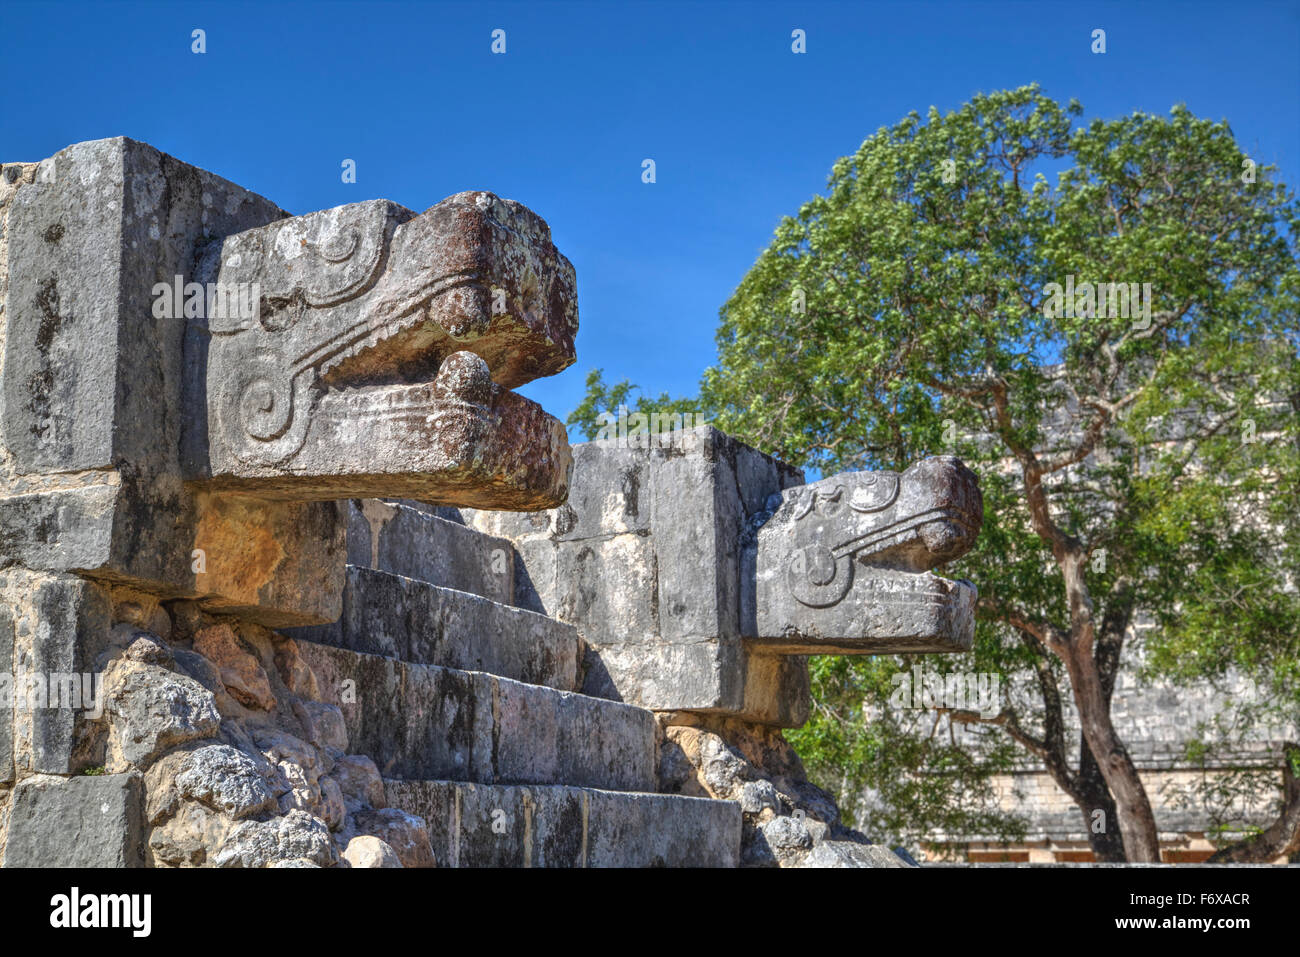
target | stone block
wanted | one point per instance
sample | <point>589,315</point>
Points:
<point>476,825</point>
<point>407,834</point>
<point>614,496</point>
<point>536,578</point>
<point>421,721</point>
<point>88,821</point>
<point>700,676</point>
<point>609,580</point>
<point>280,564</point>
<point>842,565</point>
<point>61,625</point>
<point>777,689</point>
<point>400,539</point>
<point>645,559</point>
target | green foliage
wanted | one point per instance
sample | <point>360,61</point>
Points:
<point>1233,786</point>
<point>915,287</point>
<point>607,399</point>
<point>896,774</point>
<point>903,314</point>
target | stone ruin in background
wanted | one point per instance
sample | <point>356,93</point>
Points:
<point>290,577</point>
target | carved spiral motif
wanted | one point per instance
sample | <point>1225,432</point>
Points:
<point>265,409</point>
<point>817,579</point>
<point>260,417</point>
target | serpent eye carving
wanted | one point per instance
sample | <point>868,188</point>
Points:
<point>341,246</point>
<point>264,409</point>
<point>874,491</point>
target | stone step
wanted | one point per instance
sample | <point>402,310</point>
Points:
<point>412,541</point>
<point>426,722</point>
<point>476,825</point>
<point>425,624</point>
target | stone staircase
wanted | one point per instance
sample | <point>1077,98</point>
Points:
<point>469,706</point>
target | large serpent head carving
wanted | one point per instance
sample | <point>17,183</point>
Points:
<point>335,381</point>
<point>843,564</point>
<point>911,521</point>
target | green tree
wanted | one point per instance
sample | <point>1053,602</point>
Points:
<point>602,403</point>
<point>1133,457</point>
<point>895,773</point>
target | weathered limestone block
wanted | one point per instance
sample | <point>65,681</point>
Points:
<point>151,710</point>
<point>359,781</point>
<point>297,677</point>
<point>280,564</point>
<point>481,825</point>
<point>225,779</point>
<point>323,724</point>
<point>84,351</point>
<point>76,822</point>
<point>188,837</point>
<point>406,834</point>
<point>241,673</point>
<point>421,721</point>
<point>407,539</point>
<point>92,377</point>
<point>296,836</point>
<point>367,851</point>
<point>333,810</point>
<point>425,624</point>
<point>374,352</point>
<point>777,689</point>
<point>645,559</point>
<point>59,625</point>
<point>843,564</point>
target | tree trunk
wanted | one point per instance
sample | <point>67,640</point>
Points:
<point>1087,789</point>
<point>1283,835</point>
<point>1137,823</point>
<point>1105,841</point>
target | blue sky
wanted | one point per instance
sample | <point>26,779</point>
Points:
<point>741,129</point>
